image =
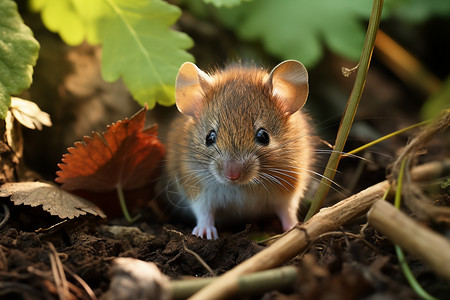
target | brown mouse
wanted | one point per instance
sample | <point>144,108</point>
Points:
<point>242,146</point>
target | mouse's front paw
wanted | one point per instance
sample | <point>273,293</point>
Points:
<point>209,231</point>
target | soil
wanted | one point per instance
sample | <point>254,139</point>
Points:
<point>337,266</point>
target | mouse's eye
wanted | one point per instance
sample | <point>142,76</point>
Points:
<point>262,137</point>
<point>211,138</point>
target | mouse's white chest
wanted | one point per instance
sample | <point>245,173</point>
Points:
<point>234,199</point>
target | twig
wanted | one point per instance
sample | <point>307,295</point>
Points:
<point>204,264</point>
<point>418,240</point>
<point>6,217</point>
<point>174,231</point>
<point>295,241</point>
<point>48,276</point>
<point>248,284</point>
<point>58,273</point>
<point>83,283</point>
<point>39,230</point>
<point>201,261</point>
<point>173,259</point>
<point>414,198</point>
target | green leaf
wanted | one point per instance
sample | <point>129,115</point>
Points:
<point>139,45</point>
<point>137,42</point>
<point>297,29</point>
<point>60,16</point>
<point>75,21</point>
<point>18,54</point>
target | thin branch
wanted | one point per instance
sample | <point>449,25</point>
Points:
<point>201,261</point>
<point>204,264</point>
<point>6,213</point>
<point>248,284</point>
<point>83,283</point>
<point>58,273</point>
<point>417,239</point>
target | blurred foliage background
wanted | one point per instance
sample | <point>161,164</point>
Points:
<point>98,55</point>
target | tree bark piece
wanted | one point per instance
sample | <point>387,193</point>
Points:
<point>416,239</point>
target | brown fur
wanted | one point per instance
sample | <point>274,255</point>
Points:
<point>236,102</point>
<point>237,99</point>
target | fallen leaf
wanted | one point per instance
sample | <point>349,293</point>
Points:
<point>126,155</point>
<point>53,199</point>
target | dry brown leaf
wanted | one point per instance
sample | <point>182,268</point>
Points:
<point>53,199</point>
<point>126,154</point>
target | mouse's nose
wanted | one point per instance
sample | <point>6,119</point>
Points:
<point>232,169</point>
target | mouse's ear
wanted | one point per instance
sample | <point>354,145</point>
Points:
<point>189,89</point>
<point>289,82</point>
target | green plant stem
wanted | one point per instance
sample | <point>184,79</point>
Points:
<point>248,284</point>
<point>410,277</point>
<point>400,256</point>
<point>350,110</point>
<point>383,138</point>
<point>123,205</point>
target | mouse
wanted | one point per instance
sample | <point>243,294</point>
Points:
<point>241,145</point>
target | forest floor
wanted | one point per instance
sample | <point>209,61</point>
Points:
<point>344,264</point>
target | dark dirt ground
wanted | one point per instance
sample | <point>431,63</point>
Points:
<point>67,85</point>
<point>334,267</point>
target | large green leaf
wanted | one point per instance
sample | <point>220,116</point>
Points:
<point>296,29</point>
<point>137,42</point>
<point>60,16</point>
<point>18,54</point>
<point>145,52</point>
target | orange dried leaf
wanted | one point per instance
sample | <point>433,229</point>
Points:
<point>125,155</point>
